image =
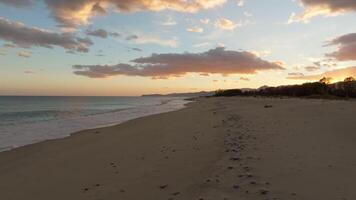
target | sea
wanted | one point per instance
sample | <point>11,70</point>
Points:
<point>30,119</point>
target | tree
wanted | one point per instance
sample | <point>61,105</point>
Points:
<point>349,86</point>
<point>326,80</point>
<point>349,79</point>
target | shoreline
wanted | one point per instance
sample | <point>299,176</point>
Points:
<point>214,148</point>
<point>101,119</point>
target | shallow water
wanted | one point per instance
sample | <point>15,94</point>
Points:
<point>27,120</point>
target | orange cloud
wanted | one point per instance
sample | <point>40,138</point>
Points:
<point>158,66</point>
<point>338,74</point>
<point>225,24</point>
<point>71,14</point>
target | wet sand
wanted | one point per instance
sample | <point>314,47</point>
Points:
<point>216,148</point>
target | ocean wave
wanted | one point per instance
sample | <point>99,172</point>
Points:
<point>27,133</point>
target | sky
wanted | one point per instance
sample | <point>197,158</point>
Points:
<point>135,47</point>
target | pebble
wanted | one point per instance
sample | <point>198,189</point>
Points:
<point>253,183</point>
<point>163,186</point>
<point>263,191</point>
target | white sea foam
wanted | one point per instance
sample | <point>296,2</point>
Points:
<point>28,133</point>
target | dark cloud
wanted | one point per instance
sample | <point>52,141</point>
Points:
<point>332,5</point>
<point>346,47</point>
<point>101,33</point>
<point>132,37</point>
<point>24,36</point>
<point>323,7</point>
<point>98,33</point>
<point>136,49</point>
<point>97,8</point>
<point>158,66</point>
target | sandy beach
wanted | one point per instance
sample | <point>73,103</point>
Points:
<point>216,148</point>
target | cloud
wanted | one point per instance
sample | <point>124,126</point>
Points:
<point>229,25</point>
<point>200,45</point>
<point>205,21</point>
<point>162,66</point>
<point>98,33</point>
<point>335,74</point>
<point>9,45</point>
<point>295,74</point>
<point>240,2</point>
<point>346,47</point>
<point>25,54</point>
<point>71,14</point>
<point>262,53</point>
<point>104,34</point>
<point>311,68</point>
<point>149,39</point>
<point>325,63</point>
<point>322,7</point>
<point>225,24</point>
<point>29,72</point>
<point>98,9</point>
<point>24,36</point>
<point>169,22</point>
<point>248,14</point>
<point>156,40</point>
<point>131,37</point>
<point>195,29</point>
<point>114,34</point>
<point>136,49</point>
<point>244,79</point>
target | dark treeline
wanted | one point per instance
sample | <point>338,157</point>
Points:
<point>322,88</point>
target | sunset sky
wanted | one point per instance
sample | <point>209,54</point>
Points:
<point>134,47</point>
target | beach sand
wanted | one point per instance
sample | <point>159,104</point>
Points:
<point>215,149</point>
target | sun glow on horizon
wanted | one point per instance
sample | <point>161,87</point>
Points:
<point>124,48</point>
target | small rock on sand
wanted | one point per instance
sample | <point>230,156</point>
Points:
<point>163,186</point>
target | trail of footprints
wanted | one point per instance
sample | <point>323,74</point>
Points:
<point>243,180</point>
<point>236,144</point>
